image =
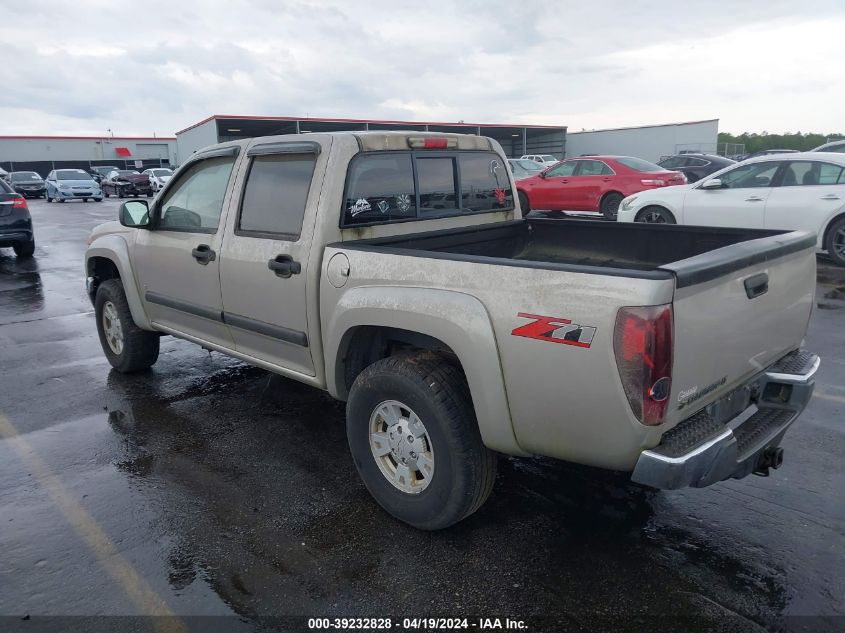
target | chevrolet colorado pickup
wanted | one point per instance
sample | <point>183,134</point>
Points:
<point>395,271</point>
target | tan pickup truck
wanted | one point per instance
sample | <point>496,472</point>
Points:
<point>395,271</point>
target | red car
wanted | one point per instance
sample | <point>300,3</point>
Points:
<point>592,183</point>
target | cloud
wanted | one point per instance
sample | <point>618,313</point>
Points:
<point>163,66</point>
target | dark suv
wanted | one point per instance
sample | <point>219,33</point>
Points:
<point>695,166</point>
<point>15,222</point>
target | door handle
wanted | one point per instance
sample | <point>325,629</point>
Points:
<point>284,266</point>
<point>754,199</point>
<point>203,254</point>
<point>756,285</point>
<point>564,181</point>
<point>830,196</point>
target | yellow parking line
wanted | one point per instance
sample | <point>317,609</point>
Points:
<point>828,396</point>
<point>138,590</point>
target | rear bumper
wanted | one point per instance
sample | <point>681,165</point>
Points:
<point>14,237</point>
<point>701,450</point>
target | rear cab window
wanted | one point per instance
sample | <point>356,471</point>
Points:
<point>399,186</point>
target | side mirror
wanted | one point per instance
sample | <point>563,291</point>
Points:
<point>134,213</point>
<point>713,183</point>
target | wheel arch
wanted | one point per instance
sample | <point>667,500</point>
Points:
<point>108,258</point>
<point>655,206</point>
<point>372,323</point>
<point>824,234</point>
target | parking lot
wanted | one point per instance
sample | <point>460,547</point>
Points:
<point>209,487</point>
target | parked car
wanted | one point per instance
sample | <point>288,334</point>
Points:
<point>463,330</point>
<point>596,184</point>
<point>834,146</point>
<point>796,191</point>
<point>546,160</point>
<point>124,183</point>
<point>770,152</point>
<point>15,222</point>
<point>28,183</point>
<point>101,171</point>
<point>696,166</point>
<point>158,177</point>
<point>523,167</point>
<point>71,184</point>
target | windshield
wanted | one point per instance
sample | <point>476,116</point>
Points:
<point>638,164</point>
<point>72,174</point>
<point>18,176</point>
<point>530,165</point>
<point>161,172</point>
<point>548,157</point>
<point>126,172</point>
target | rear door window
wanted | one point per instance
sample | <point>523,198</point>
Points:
<point>275,194</point>
<point>391,187</point>
<point>808,173</point>
<point>594,168</point>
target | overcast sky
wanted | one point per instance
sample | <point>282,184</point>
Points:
<point>147,67</point>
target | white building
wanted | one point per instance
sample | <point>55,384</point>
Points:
<point>649,142</point>
<point>45,153</point>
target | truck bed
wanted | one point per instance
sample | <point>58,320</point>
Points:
<point>690,253</point>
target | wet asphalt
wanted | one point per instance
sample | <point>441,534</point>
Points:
<point>209,487</point>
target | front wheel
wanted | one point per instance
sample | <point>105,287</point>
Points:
<point>127,347</point>
<point>415,440</point>
<point>835,242</point>
<point>610,205</point>
<point>655,215</point>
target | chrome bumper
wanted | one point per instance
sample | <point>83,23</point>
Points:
<point>702,450</point>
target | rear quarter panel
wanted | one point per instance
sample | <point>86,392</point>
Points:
<point>564,401</point>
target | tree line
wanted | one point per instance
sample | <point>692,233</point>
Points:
<point>802,141</point>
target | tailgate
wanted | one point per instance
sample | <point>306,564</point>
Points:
<point>736,311</point>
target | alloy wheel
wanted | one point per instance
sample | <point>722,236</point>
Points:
<point>401,447</point>
<point>112,328</point>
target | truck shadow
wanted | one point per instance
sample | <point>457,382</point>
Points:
<point>263,502</point>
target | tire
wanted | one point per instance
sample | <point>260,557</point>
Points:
<point>835,242</point>
<point>609,206</point>
<point>47,197</point>
<point>655,215</point>
<point>24,250</point>
<point>105,193</point>
<point>463,469</point>
<point>524,204</point>
<point>139,348</point>
<point>119,193</point>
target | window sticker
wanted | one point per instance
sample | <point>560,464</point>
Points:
<point>383,206</point>
<point>403,201</point>
<point>361,206</point>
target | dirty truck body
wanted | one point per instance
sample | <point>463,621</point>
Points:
<point>395,271</point>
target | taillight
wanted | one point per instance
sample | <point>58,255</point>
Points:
<point>642,343</point>
<point>19,203</point>
<point>653,182</point>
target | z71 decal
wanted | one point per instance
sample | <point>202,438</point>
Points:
<point>556,330</point>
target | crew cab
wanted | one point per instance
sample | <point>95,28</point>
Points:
<point>395,271</point>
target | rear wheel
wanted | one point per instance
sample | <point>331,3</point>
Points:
<point>127,347</point>
<point>523,204</point>
<point>610,205</point>
<point>24,250</point>
<point>655,215</point>
<point>415,440</point>
<point>835,242</point>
